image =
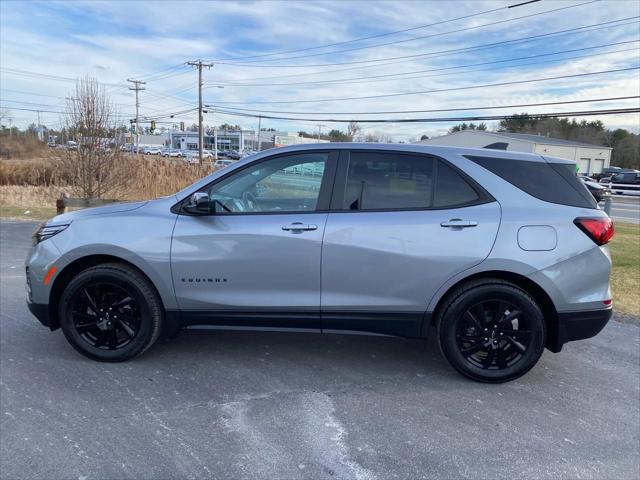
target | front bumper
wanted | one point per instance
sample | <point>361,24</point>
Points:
<point>578,326</point>
<point>41,312</point>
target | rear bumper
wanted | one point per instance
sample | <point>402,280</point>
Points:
<point>578,326</point>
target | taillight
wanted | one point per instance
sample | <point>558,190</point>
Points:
<point>600,229</point>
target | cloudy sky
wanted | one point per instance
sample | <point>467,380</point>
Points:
<point>311,58</point>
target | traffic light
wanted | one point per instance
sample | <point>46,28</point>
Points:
<point>153,125</point>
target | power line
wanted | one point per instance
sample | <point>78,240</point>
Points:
<point>456,109</point>
<point>583,113</point>
<point>432,35</point>
<point>58,111</point>
<point>26,73</point>
<point>388,95</point>
<point>441,53</point>
<point>355,62</point>
<point>404,76</point>
<point>165,72</point>
<point>29,93</point>
<point>380,35</point>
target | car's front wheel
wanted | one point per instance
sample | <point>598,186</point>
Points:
<point>491,330</point>
<point>110,312</point>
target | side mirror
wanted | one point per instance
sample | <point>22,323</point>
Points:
<point>198,203</point>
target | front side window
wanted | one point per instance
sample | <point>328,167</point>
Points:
<point>381,181</point>
<point>283,184</point>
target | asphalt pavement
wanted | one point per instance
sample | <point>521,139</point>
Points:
<point>253,405</point>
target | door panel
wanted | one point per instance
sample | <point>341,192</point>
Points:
<point>395,261</point>
<point>245,262</point>
<point>256,259</point>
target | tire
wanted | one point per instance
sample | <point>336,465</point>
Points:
<point>491,331</point>
<point>111,312</point>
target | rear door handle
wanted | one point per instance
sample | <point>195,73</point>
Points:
<point>459,223</point>
<point>299,227</point>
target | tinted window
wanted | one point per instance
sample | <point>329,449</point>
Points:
<point>551,182</point>
<point>451,188</point>
<point>379,181</point>
<point>284,184</point>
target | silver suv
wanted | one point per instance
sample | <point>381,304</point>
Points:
<point>502,252</point>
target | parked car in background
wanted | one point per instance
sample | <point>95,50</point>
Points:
<point>486,250</point>
<point>598,190</point>
<point>191,157</point>
<point>153,150</point>
<point>222,163</point>
<point>607,172</point>
<point>172,153</point>
<point>627,180</point>
<point>233,155</point>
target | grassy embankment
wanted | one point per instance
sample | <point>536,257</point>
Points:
<point>625,278</point>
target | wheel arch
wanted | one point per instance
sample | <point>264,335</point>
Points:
<point>78,265</point>
<point>532,288</point>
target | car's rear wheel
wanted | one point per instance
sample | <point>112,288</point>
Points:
<point>110,312</point>
<point>491,331</point>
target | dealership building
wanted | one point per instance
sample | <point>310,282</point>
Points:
<point>237,140</point>
<point>591,159</point>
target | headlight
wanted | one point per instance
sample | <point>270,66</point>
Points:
<point>47,231</point>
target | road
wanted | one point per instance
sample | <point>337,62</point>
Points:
<point>625,209</point>
<point>273,405</point>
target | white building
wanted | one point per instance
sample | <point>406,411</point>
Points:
<point>590,158</point>
<point>237,140</point>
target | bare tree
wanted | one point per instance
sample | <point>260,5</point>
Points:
<point>353,129</point>
<point>94,167</point>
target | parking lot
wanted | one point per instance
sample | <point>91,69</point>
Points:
<point>215,404</point>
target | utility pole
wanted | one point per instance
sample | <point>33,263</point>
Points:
<point>39,129</point>
<point>136,87</point>
<point>320,125</point>
<point>259,138</point>
<point>199,64</point>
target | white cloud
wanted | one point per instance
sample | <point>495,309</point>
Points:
<point>114,41</point>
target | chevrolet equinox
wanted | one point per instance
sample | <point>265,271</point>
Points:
<point>502,253</point>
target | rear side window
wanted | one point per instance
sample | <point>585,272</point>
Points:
<point>451,188</point>
<point>551,182</point>
<point>392,181</point>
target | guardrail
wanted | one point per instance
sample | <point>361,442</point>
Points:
<point>618,189</point>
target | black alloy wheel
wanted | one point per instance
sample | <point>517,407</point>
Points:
<point>105,315</point>
<point>492,334</point>
<point>110,312</point>
<point>491,330</point>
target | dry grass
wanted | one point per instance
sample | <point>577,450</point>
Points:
<point>28,183</point>
<point>20,147</point>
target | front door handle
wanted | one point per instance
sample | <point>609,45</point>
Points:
<point>459,223</point>
<point>299,227</point>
